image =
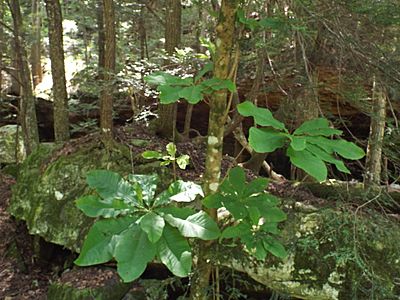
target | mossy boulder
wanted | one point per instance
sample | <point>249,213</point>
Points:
<point>333,254</point>
<point>49,181</point>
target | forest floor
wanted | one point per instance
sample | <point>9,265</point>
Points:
<point>20,276</point>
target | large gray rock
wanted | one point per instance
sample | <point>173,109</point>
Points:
<point>10,150</point>
<point>334,253</point>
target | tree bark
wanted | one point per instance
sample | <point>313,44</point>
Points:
<point>37,72</point>
<point>2,46</point>
<point>27,102</point>
<point>100,34</point>
<point>60,97</point>
<point>106,97</point>
<point>373,164</point>
<point>166,122</point>
<point>225,44</point>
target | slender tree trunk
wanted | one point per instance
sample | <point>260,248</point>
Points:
<point>142,33</point>
<point>106,98</point>
<point>27,102</point>
<point>2,45</point>
<point>60,97</point>
<point>37,72</point>
<point>225,45</point>
<point>167,113</point>
<point>100,34</point>
<point>373,164</point>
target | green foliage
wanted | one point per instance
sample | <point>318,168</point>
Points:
<point>138,225</point>
<point>310,147</point>
<point>182,161</point>
<point>255,212</point>
<point>172,88</point>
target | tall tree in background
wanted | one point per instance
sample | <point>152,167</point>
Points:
<point>373,163</point>
<point>223,63</point>
<point>2,44</point>
<point>100,35</point>
<point>36,65</point>
<point>61,122</point>
<point>167,112</point>
<point>106,98</point>
<point>27,113</point>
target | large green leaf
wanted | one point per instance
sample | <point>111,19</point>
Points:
<point>308,162</point>
<point>110,185</point>
<point>317,127</point>
<point>169,94</point>
<point>105,182</point>
<point>266,139</point>
<point>214,201</point>
<point>133,251</point>
<point>236,231</point>
<point>237,178</point>
<point>93,206</point>
<point>99,244</point>
<point>193,94</point>
<point>235,207</point>
<point>275,247</point>
<point>262,116</point>
<point>347,149</point>
<point>298,143</point>
<point>174,252</point>
<point>153,225</point>
<point>216,84</point>
<point>146,186</point>
<point>177,212</point>
<point>199,225</point>
<point>179,191</point>
<point>317,151</point>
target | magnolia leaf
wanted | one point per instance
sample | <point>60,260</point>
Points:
<point>105,182</point>
<point>177,212</point>
<point>262,116</point>
<point>174,252</point>
<point>193,94</point>
<point>169,94</point>
<point>94,207</point>
<point>183,161</point>
<point>308,162</point>
<point>99,244</point>
<point>316,127</point>
<point>266,139</point>
<point>147,185</point>
<point>199,225</point>
<point>153,225</point>
<point>183,191</point>
<point>133,251</point>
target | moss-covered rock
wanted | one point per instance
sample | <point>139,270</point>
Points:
<point>49,181</point>
<point>334,254</point>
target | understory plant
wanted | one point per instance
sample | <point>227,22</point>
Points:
<point>136,225</point>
